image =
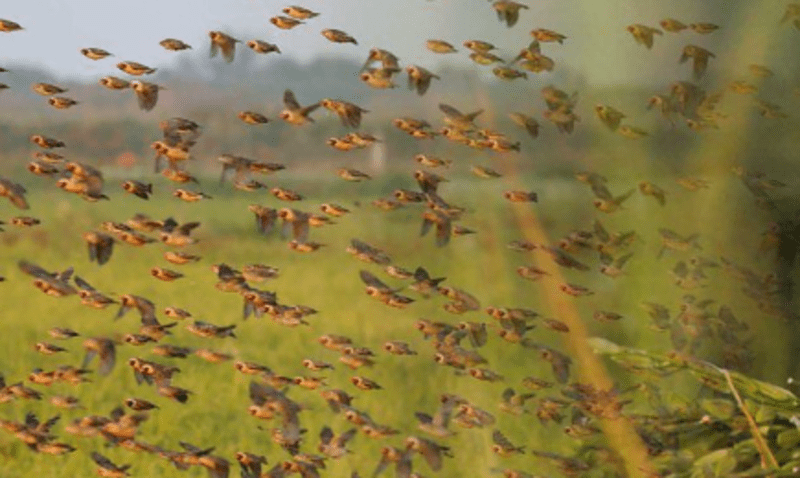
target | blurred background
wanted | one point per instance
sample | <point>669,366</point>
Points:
<point>599,61</point>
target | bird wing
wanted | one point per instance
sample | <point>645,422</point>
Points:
<point>290,101</point>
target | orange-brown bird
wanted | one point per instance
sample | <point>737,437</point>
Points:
<point>419,79</point>
<point>293,113</point>
<point>146,94</point>
<point>285,23</point>
<point>173,44</point>
<point>439,46</point>
<point>14,192</point>
<point>643,34</point>
<point>299,13</point>
<point>699,56</point>
<point>135,69</point>
<point>672,25</point>
<point>138,189</point>
<point>338,36</point>
<point>262,47</point>
<point>224,43</point>
<point>508,11</point>
<point>545,36</point>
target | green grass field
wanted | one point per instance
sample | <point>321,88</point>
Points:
<point>327,280</point>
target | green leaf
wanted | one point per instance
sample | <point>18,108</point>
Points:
<point>718,408</point>
<point>719,463</point>
<point>789,438</point>
<point>707,373</point>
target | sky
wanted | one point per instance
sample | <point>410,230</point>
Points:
<point>598,46</point>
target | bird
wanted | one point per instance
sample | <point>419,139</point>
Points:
<point>104,349</point>
<point>508,11</point>
<point>672,25</point>
<point>47,89</point>
<point>300,13</point>
<point>419,79</point>
<point>437,425</point>
<point>529,123</point>
<point>649,189</point>
<point>146,94</point>
<point>458,120</point>
<point>606,202</point>
<point>61,102</point>
<point>138,188</point>
<point>545,36</point>
<point>432,452</point>
<point>100,246</point>
<point>173,44</point>
<point>443,224</point>
<point>337,36</point>
<point>486,58</point>
<point>332,445</point>
<point>349,113</point>
<point>135,68</point>
<point>9,26</point>
<point>699,56</point>
<point>14,192</point>
<point>285,23</point>
<point>114,83</point>
<point>262,47</point>
<point>293,113</point>
<point>295,221</point>
<point>502,446</point>
<point>439,46</point>
<point>643,34</point>
<point>610,116</point>
<point>349,174</point>
<point>190,196</point>
<point>521,196</point>
<point>107,468</point>
<point>222,42</point>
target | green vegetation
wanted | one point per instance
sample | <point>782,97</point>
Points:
<point>328,281</point>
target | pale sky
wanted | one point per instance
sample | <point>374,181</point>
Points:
<point>598,45</point>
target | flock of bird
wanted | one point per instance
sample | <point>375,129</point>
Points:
<point>274,396</point>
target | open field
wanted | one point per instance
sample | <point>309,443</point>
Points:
<point>327,280</point>
<point>670,158</point>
